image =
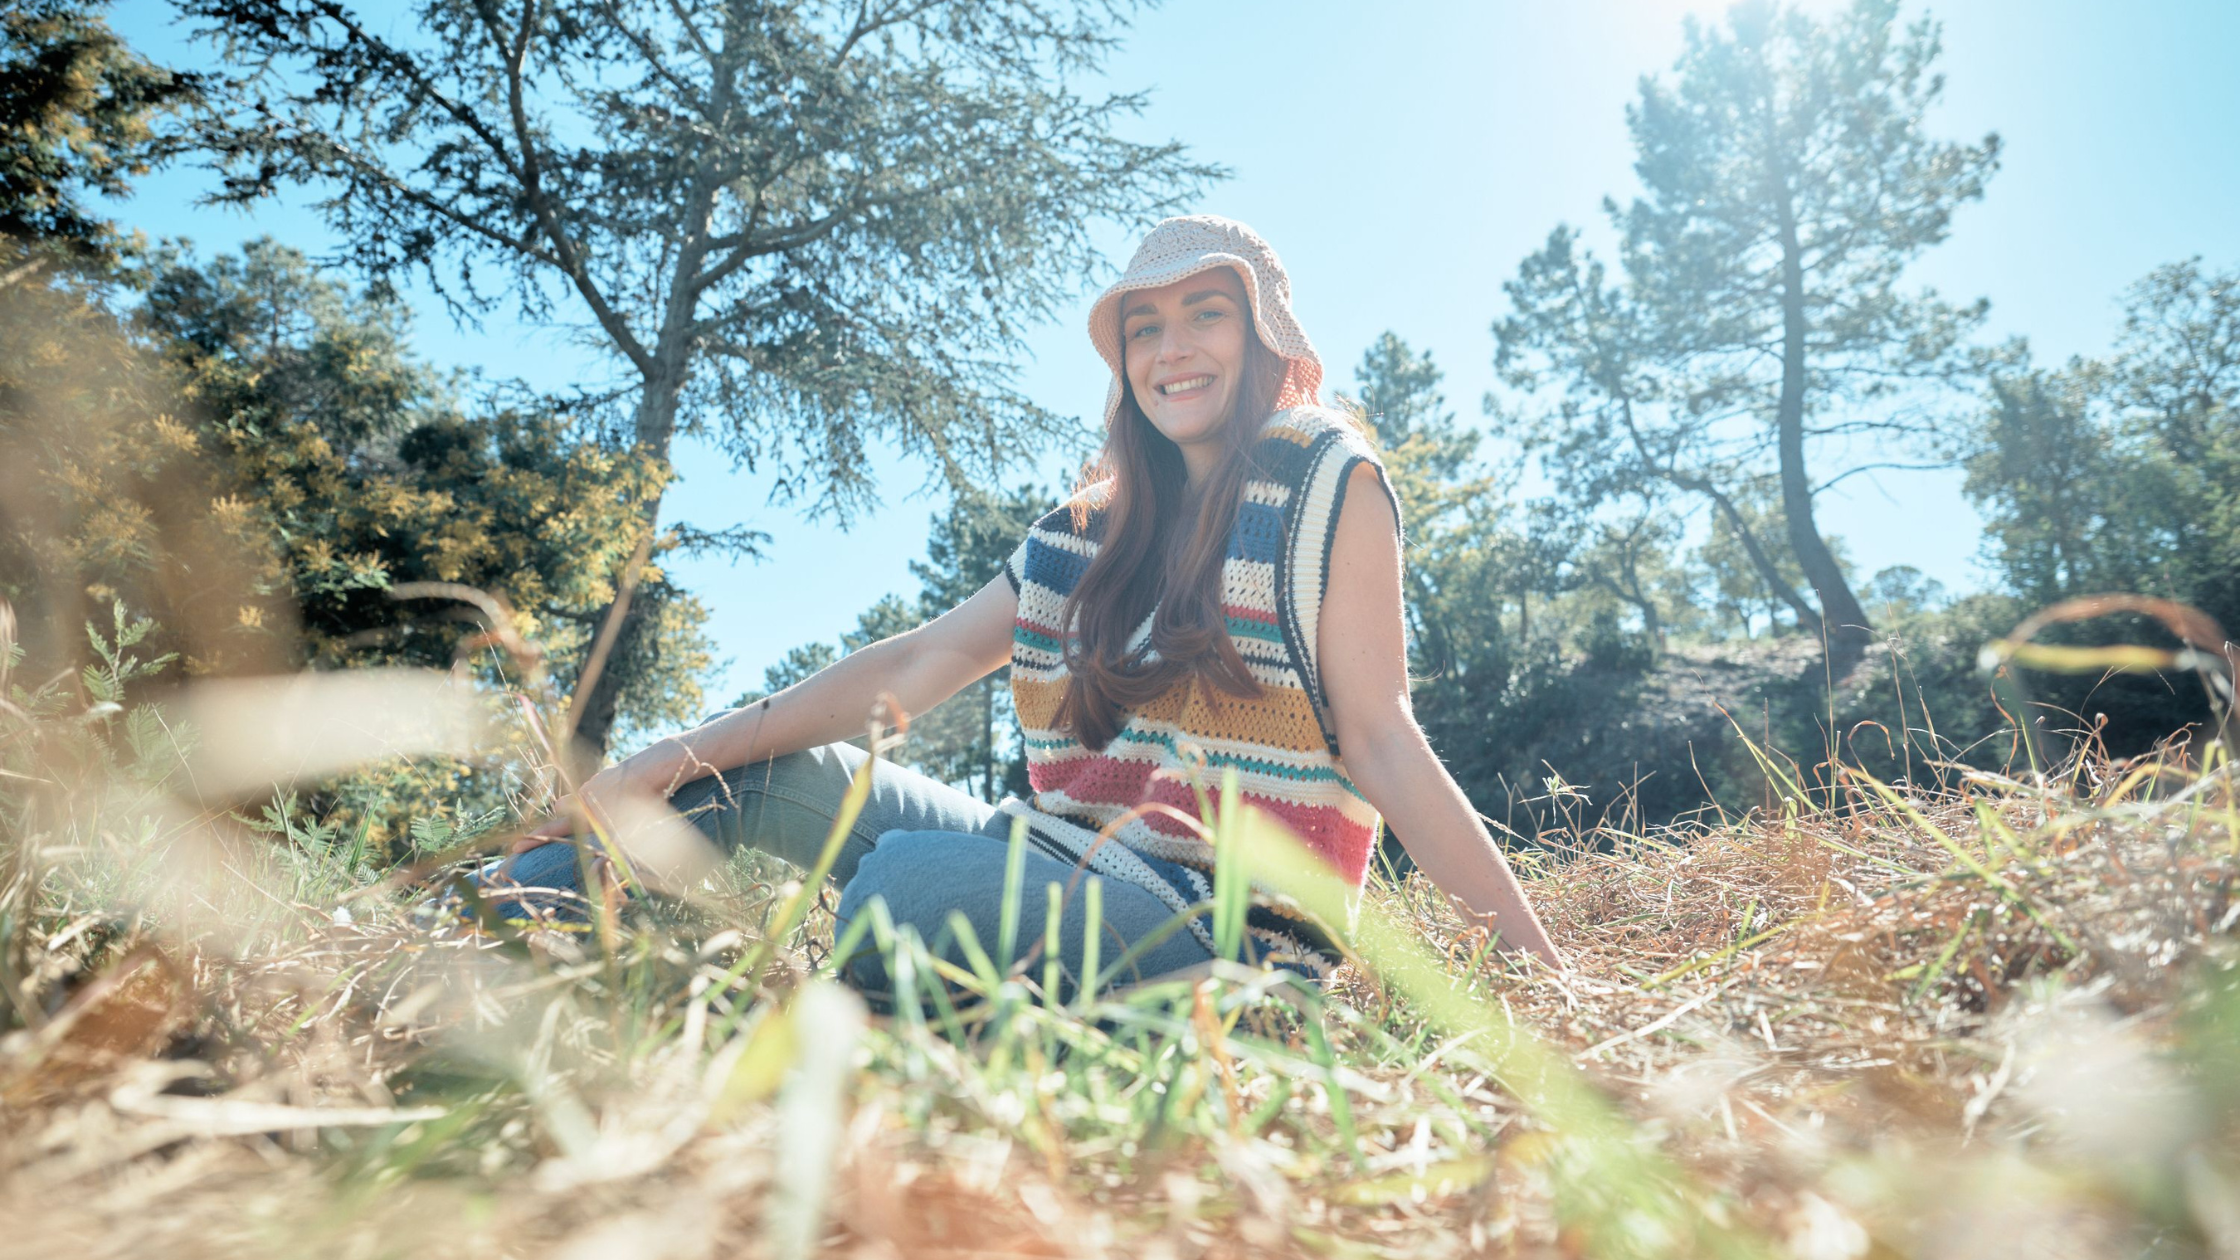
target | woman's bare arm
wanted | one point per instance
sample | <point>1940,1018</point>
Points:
<point>920,668</point>
<point>1362,644</point>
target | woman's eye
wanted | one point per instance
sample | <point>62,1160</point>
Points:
<point>1208,316</point>
<point>1143,330</point>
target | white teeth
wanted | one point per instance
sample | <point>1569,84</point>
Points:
<point>1176,387</point>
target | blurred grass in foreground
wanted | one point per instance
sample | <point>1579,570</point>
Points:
<point>1999,1020</point>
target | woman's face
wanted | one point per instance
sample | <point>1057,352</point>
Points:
<point>1185,353</point>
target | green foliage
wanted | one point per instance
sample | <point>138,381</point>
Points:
<point>269,342</point>
<point>368,471</point>
<point>798,663</point>
<point>800,228</point>
<point>1631,562</point>
<point>115,667</point>
<point>973,740</point>
<point>1740,590</point>
<point>2123,474</point>
<point>437,833</point>
<point>1397,389</point>
<point>2037,476</point>
<point>1759,330</point>
<point>109,493</point>
<point>871,204</point>
<point>1921,698</point>
<point>1901,591</point>
<point>80,115</point>
<point>2100,472</point>
<point>254,457</point>
<point>1520,613</point>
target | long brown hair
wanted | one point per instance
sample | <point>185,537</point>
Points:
<point>1162,546</point>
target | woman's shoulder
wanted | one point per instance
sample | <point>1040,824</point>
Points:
<point>1312,425</point>
<point>1074,517</point>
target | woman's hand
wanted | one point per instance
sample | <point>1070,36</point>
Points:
<point>912,671</point>
<point>1535,944</point>
<point>596,800</point>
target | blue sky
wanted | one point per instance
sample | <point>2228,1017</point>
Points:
<point>1403,157</point>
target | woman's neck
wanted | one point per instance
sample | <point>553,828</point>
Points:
<point>1199,459</point>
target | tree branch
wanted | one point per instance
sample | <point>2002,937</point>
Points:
<point>548,215</point>
<point>864,26</point>
<point>793,238</point>
<point>389,183</point>
<point>1767,571</point>
<point>410,70</point>
<point>691,32</point>
<point>651,55</point>
<point>1849,473</point>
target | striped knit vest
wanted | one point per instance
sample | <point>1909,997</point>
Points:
<point>1282,743</point>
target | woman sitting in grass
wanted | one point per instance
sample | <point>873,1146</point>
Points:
<point>1222,592</point>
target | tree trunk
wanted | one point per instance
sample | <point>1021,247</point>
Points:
<point>595,721</point>
<point>1630,592</point>
<point>1763,563</point>
<point>1843,624</point>
<point>1429,635</point>
<point>1777,586</point>
<point>1652,625</point>
<point>656,424</point>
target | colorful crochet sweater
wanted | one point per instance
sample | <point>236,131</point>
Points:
<point>1282,743</point>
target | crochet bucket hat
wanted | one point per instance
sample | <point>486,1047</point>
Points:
<point>1185,246</point>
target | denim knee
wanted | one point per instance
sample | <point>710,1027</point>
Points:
<point>892,870</point>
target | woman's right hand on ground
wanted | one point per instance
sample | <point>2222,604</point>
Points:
<point>912,671</point>
<point>573,815</point>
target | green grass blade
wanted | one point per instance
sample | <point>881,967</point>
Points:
<point>1092,940</point>
<point>1232,885</point>
<point>1014,876</point>
<point>1053,908</point>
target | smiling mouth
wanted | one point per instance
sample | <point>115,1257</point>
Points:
<point>1172,388</point>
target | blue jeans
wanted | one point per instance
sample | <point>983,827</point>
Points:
<point>924,848</point>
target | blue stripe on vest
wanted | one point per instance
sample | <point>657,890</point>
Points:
<point>1054,567</point>
<point>1258,534</point>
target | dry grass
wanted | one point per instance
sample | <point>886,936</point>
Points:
<point>1989,1023</point>
<point>1895,1028</point>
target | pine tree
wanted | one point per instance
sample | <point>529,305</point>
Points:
<point>1759,330</point>
<point>798,227</point>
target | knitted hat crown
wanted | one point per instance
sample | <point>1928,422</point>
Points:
<point>1181,247</point>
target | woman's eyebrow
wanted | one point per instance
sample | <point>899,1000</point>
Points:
<point>1145,308</point>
